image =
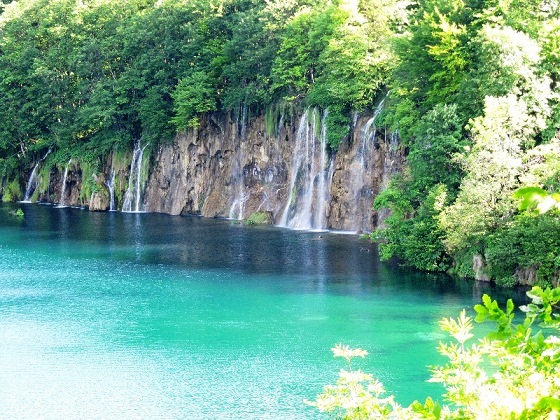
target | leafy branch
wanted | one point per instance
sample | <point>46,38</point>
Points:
<point>510,373</point>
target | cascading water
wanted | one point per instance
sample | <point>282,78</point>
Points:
<point>63,188</point>
<point>236,209</point>
<point>133,196</point>
<point>32,182</point>
<point>238,185</point>
<point>110,183</point>
<point>360,182</point>
<point>309,180</point>
<point>244,120</point>
<point>327,196</point>
<point>368,133</point>
<point>324,176</point>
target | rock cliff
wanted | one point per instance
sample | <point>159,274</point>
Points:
<point>228,169</point>
<point>223,170</point>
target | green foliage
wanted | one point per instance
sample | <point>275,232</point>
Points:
<point>43,180</point>
<point>260,218</point>
<point>475,63</point>
<point>437,141</point>
<point>356,394</point>
<point>298,58</point>
<point>277,113</point>
<point>193,96</point>
<point>89,77</point>
<point>334,57</point>
<point>89,185</point>
<point>402,118</point>
<point>413,232</point>
<point>537,199</point>
<point>415,237</point>
<point>12,192</point>
<point>510,373</point>
<point>337,123</point>
<point>492,170</point>
<point>528,245</point>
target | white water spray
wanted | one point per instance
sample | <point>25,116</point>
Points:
<point>133,196</point>
<point>309,176</point>
<point>110,183</point>
<point>238,184</point>
<point>63,188</point>
<point>33,181</point>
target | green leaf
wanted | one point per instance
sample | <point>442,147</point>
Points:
<point>509,306</point>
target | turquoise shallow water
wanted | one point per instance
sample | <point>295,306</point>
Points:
<point>112,315</point>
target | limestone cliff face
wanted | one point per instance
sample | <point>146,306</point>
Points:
<point>363,167</point>
<point>228,169</point>
<point>63,186</point>
<point>205,171</point>
<point>223,170</point>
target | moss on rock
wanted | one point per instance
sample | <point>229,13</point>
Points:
<point>260,218</point>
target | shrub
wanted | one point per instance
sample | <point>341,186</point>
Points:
<point>12,192</point>
<point>511,373</point>
<point>260,218</point>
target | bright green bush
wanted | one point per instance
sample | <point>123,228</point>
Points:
<point>511,373</point>
<point>260,218</point>
<point>12,192</point>
<point>529,243</point>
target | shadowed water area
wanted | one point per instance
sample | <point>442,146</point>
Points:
<point>116,315</point>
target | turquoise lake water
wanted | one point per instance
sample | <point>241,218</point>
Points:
<point>115,315</point>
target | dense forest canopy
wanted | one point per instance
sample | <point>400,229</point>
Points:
<point>88,76</point>
<point>472,95</point>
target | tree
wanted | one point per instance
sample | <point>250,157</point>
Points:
<point>193,96</point>
<point>412,231</point>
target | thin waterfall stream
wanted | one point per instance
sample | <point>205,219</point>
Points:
<point>62,200</point>
<point>33,180</point>
<point>110,183</point>
<point>309,177</point>
<point>238,186</point>
<point>362,170</point>
<point>31,184</point>
<point>132,201</point>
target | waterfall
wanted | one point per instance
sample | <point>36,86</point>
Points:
<point>323,192</point>
<point>238,184</point>
<point>63,189</point>
<point>280,125</point>
<point>360,183</point>
<point>244,120</point>
<point>236,209</point>
<point>241,118</point>
<point>368,133</point>
<point>264,201</point>
<point>32,182</point>
<point>309,180</point>
<point>133,195</point>
<point>110,183</point>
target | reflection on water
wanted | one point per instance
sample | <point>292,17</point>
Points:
<point>347,263</point>
<point>104,315</point>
